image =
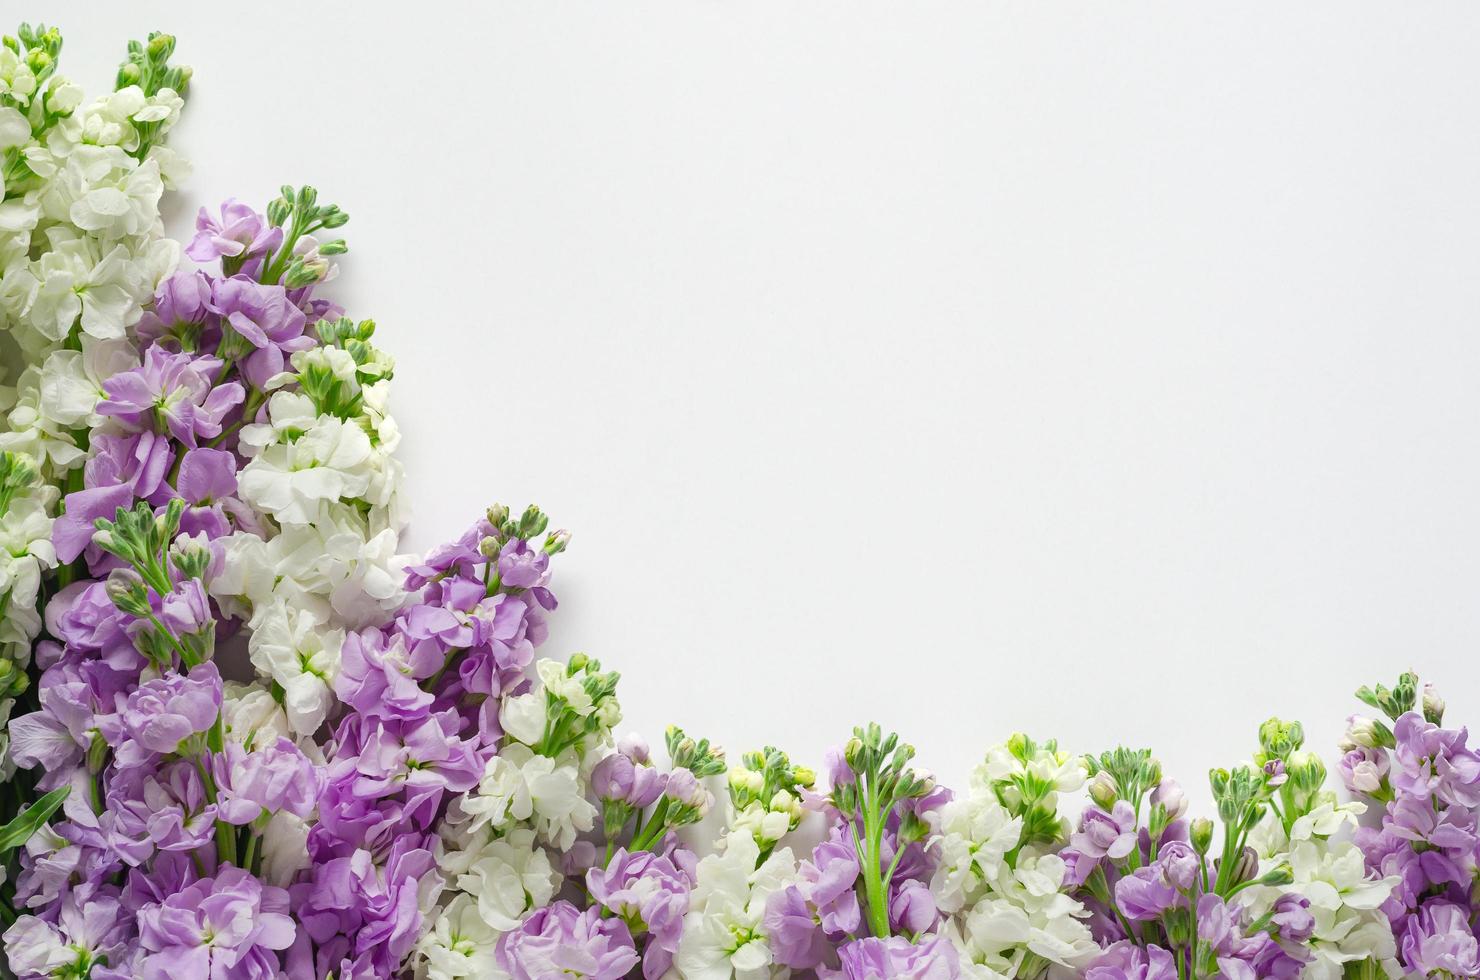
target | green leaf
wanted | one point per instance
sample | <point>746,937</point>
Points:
<point>19,830</point>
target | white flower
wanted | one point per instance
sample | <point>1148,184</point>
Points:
<point>509,877</point>
<point>120,203</point>
<point>284,849</point>
<point>292,647</point>
<point>1345,900</point>
<point>1004,913</point>
<point>329,462</point>
<point>289,414</point>
<point>72,380</point>
<point>14,129</point>
<point>73,281</point>
<point>723,931</point>
<point>973,834</point>
<point>251,715</point>
<point>569,687</point>
<point>523,716</point>
<point>459,944</point>
<point>518,785</point>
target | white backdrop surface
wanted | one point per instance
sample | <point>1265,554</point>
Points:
<point>1105,372</point>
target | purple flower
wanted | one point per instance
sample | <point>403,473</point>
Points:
<point>912,909</point>
<point>1127,961</point>
<point>828,883</point>
<point>373,678</point>
<point>521,566</point>
<point>162,713</point>
<point>1179,864</point>
<point>137,460</point>
<point>186,610</point>
<point>1145,894</point>
<point>266,319</point>
<point>179,390</point>
<point>796,936</point>
<point>179,310</point>
<point>654,889</point>
<point>274,778</point>
<point>619,778</point>
<point>94,928</point>
<point>1363,770</point>
<point>240,233</point>
<point>1291,913</point>
<point>228,927</point>
<point>896,958</point>
<point>1439,938</point>
<point>73,531</point>
<point>558,940</point>
<point>1103,834</point>
<point>378,908</point>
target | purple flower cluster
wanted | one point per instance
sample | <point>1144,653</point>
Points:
<point>423,695</point>
<point>152,868</point>
<point>1428,779</point>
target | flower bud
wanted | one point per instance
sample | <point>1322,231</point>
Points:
<point>1433,706</point>
<point>1169,794</point>
<point>1201,834</point>
<point>1103,791</point>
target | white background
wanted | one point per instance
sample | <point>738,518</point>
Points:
<point>1108,372</point>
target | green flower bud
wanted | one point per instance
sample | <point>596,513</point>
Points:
<point>1103,791</point>
<point>1201,833</point>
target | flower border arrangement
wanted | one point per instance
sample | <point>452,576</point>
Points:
<point>247,739</point>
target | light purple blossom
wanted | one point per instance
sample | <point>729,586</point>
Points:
<point>654,889</point>
<point>229,927</point>
<point>163,713</point>
<point>272,778</point>
<point>239,232</point>
<point>1106,834</point>
<point>266,319</point>
<point>558,940</point>
<point>1127,961</point>
<point>896,958</point>
<point>178,390</point>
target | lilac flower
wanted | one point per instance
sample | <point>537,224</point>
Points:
<point>187,611</point>
<point>376,908</point>
<point>619,778</point>
<point>1363,770</point>
<point>276,777</point>
<point>652,888</point>
<point>1103,834</point>
<point>1145,894</point>
<point>558,940</point>
<point>137,460</point>
<point>162,713</point>
<point>795,934</point>
<point>73,531</point>
<point>228,927</point>
<point>374,678</point>
<point>912,909</point>
<point>1127,961</point>
<point>1291,914</point>
<point>179,310</point>
<point>896,958</point>
<point>521,566</point>
<point>239,233</point>
<point>266,319</point>
<point>83,933</point>
<point>177,389</point>
<point>1439,938</point>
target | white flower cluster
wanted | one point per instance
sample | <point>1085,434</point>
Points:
<point>324,483</point>
<point>724,931</point>
<point>81,251</point>
<point>500,845</point>
<point>1345,899</point>
<point>997,877</point>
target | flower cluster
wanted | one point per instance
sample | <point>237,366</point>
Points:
<point>1427,780</point>
<point>198,482</point>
